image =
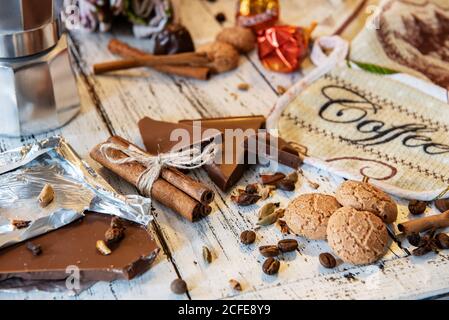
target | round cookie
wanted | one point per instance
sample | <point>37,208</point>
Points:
<point>357,237</point>
<point>365,197</point>
<point>308,215</point>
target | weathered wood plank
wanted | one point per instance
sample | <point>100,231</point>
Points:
<point>86,130</point>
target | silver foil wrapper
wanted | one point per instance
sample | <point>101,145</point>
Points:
<point>25,171</point>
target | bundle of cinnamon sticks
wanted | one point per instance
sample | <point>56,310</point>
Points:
<point>175,190</point>
<point>192,64</point>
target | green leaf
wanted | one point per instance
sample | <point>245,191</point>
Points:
<point>373,68</point>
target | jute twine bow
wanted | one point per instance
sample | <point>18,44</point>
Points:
<point>191,158</point>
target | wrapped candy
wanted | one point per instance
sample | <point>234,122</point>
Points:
<point>284,48</point>
<point>257,14</point>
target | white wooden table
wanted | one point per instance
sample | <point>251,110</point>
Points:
<point>113,104</point>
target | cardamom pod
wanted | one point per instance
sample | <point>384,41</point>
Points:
<point>267,210</point>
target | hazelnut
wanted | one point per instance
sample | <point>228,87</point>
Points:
<point>242,39</point>
<point>224,57</point>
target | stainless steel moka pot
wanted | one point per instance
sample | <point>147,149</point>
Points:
<point>38,91</point>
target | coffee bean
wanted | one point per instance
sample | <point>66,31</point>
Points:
<point>417,207</point>
<point>286,185</point>
<point>414,239</point>
<point>442,241</point>
<point>178,286</point>
<point>288,245</point>
<point>442,205</point>
<point>269,251</point>
<point>327,260</point>
<point>247,237</point>
<point>271,266</point>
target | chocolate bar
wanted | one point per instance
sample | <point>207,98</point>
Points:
<point>74,245</point>
<point>283,152</point>
<point>226,175</point>
<point>156,136</point>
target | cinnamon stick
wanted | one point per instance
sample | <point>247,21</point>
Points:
<point>182,59</point>
<point>124,50</point>
<point>162,191</point>
<point>193,188</point>
<point>426,223</point>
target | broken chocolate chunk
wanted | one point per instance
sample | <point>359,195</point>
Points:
<point>74,245</point>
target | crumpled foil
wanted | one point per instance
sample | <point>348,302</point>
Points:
<point>24,172</point>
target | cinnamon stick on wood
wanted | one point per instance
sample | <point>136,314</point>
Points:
<point>162,191</point>
<point>193,188</point>
<point>181,59</point>
<point>426,223</point>
<point>124,50</point>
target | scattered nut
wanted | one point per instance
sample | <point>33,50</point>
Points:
<point>207,255</point>
<point>281,89</point>
<point>178,286</point>
<point>114,235</point>
<point>235,285</point>
<point>103,248</point>
<point>46,196</point>
<point>21,224</point>
<point>34,248</point>
<point>117,222</point>
<point>243,87</point>
<point>243,39</point>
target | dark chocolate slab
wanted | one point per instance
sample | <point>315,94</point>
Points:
<point>74,245</point>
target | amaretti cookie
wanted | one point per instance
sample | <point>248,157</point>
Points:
<point>308,215</point>
<point>365,197</point>
<point>357,237</point>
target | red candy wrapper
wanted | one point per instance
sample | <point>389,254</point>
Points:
<point>284,48</point>
<point>257,14</point>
